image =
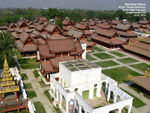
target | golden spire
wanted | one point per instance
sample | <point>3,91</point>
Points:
<point>6,71</point>
<point>7,80</point>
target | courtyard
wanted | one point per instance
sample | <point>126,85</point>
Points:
<point>118,65</point>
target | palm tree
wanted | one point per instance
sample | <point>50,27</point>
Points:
<point>7,44</point>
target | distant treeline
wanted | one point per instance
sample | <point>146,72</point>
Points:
<point>13,15</point>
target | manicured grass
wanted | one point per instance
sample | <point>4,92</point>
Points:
<point>48,96</point>
<point>36,75</point>
<point>120,74</point>
<point>28,63</point>
<point>94,92</point>
<point>27,86</point>
<point>117,53</point>
<point>39,107</point>
<point>97,48</point>
<point>141,67</point>
<point>43,84</point>
<point>136,102</point>
<point>103,55</point>
<point>24,76</point>
<point>31,94</point>
<point>127,60</point>
<point>18,54</point>
<point>107,63</point>
<point>90,58</point>
<point>85,94</point>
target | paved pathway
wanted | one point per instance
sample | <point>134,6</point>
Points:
<point>143,109</point>
<point>39,91</point>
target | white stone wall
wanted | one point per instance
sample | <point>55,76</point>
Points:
<point>84,46</point>
<point>79,77</point>
<point>70,95</point>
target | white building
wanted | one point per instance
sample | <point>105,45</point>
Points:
<point>81,86</point>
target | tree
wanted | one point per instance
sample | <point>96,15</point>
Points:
<point>59,23</point>
<point>6,47</point>
<point>6,41</point>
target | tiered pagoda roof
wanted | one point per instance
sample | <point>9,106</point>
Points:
<point>142,46</point>
<point>143,81</point>
<point>7,82</point>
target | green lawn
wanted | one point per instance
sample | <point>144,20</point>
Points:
<point>103,55</point>
<point>31,94</point>
<point>117,53</point>
<point>24,76</point>
<point>85,94</point>
<point>120,74</point>
<point>28,63</point>
<point>18,54</point>
<point>141,67</point>
<point>48,96</point>
<point>42,84</point>
<point>27,86</point>
<point>36,75</point>
<point>90,58</point>
<point>97,48</point>
<point>107,63</point>
<point>39,107</point>
<point>127,60</point>
<point>136,102</point>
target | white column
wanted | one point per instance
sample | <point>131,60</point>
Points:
<point>67,106</point>
<point>119,110</point>
<point>84,48</point>
<point>106,88</point>
<point>62,83</point>
<point>57,96</point>
<point>79,109</point>
<point>47,75</point>
<point>108,96</point>
<point>98,91</point>
<point>115,98</point>
<point>74,106</point>
<point>91,93</point>
<point>129,109</point>
<point>60,99</point>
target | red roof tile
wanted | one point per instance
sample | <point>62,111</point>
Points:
<point>59,46</point>
<point>45,52</point>
<point>104,32</point>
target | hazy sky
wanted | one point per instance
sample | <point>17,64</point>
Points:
<point>81,4</point>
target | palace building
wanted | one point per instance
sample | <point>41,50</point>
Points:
<point>142,81</point>
<point>141,47</point>
<point>81,87</point>
<point>106,38</point>
<point>57,50</point>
